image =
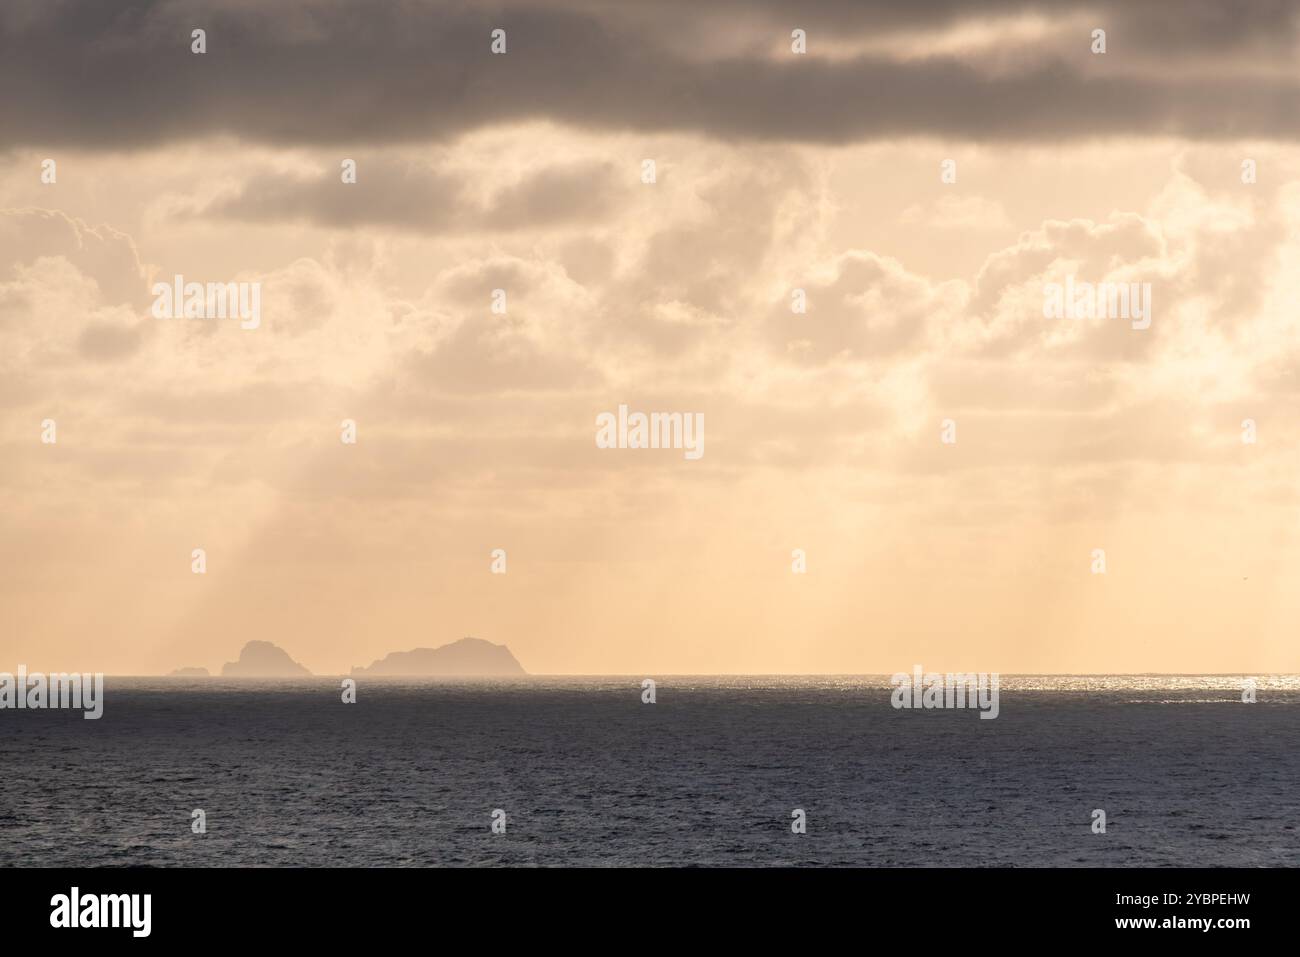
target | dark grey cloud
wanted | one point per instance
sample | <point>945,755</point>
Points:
<point>387,192</point>
<point>576,192</point>
<point>425,198</point>
<point>120,74</point>
<point>1181,26</point>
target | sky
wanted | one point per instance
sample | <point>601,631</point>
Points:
<point>920,467</point>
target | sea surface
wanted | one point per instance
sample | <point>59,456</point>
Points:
<point>409,775</point>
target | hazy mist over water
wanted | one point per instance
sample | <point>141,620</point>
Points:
<point>708,775</point>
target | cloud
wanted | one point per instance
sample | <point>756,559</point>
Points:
<point>694,308</point>
<point>958,212</point>
<point>330,71</point>
<point>101,253</point>
<point>420,197</point>
<point>867,308</point>
<point>108,341</point>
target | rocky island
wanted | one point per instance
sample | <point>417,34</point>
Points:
<point>261,659</point>
<point>469,657</point>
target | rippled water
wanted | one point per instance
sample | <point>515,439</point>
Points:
<point>587,774</point>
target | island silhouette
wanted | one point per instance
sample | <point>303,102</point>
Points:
<point>466,658</point>
<point>469,657</point>
<point>262,659</point>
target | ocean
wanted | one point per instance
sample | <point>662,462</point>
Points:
<point>711,774</point>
